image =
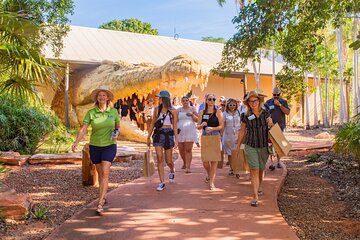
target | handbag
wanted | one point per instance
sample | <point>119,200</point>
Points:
<point>149,163</point>
<point>238,162</point>
<point>210,148</point>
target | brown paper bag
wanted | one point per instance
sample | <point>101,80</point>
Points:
<point>210,148</point>
<point>149,164</point>
<point>280,143</point>
<point>238,161</point>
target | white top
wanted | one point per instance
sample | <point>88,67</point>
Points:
<point>231,131</point>
<point>149,111</point>
<point>187,126</point>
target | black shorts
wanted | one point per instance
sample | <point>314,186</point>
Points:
<point>99,154</point>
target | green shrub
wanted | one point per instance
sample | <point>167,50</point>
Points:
<point>58,141</point>
<point>40,212</point>
<point>347,140</point>
<point>23,125</point>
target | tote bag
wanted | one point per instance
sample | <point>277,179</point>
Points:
<point>238,162</point>
<point>210,148</point>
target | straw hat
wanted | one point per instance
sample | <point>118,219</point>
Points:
<point>95,93</point>
<point>255,93</point>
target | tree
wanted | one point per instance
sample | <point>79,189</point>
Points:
<point>213,39</point>
<point>130,25</point>
<point>25,26</point>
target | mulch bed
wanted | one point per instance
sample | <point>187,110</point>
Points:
<point>320,199</point>
<point>59,188</point>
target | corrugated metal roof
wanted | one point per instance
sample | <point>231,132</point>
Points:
<point>91,45</point>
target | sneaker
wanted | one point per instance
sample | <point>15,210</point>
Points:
<point>171,177</point>
<point>278,165</point>
<point>161,187</point>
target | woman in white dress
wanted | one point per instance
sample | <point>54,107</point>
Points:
<point>232,124</point>
<point>187,116</point>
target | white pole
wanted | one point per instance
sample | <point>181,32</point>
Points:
<point>273,65</point>
<point>66,93</point>
<point>307,126</point>
<point>342,93</point>
<point>315,102</point>
<point>355,85</point>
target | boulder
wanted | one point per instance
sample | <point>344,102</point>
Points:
<point>13,158</point>
<point>14,206</point>
<point>67,158</point>
<point>324,135</point>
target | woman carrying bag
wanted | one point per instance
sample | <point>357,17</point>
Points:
<point>165,137</point>
<point>254,133</point>
<point>212,122</point>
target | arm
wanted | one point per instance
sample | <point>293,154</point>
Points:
<point>193,114</point>
<point>200,124</point>
<point>134,108</point>
<point>283,107</point>
<point>241,137</point>
<point>174,112</point>
<point>80,135</point>
<point>151,129</point>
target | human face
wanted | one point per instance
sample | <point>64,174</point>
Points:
<point>210,100</point>
<point>150,102</point>
<point>254,102</point>
<point>185,102</point>
<point>232,106</point>
<point>276,95</point>
<point>102,97</point>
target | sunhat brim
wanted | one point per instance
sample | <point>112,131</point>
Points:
<point>96,92</point>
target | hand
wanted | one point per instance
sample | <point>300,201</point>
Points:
<point>277,102</point>
<point>203,124</point>
<point>209,129</point>
<point>73,147</point>
<point>148,141</point>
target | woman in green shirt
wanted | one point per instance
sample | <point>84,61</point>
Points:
<point>105,124</point>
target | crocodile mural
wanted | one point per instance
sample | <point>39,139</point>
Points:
<point>177,76</point>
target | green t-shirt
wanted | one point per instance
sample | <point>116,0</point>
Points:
<point>102,124</point>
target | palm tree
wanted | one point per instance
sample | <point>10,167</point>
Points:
<point>22,67</point>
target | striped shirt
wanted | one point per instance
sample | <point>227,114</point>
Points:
<point>257,131</point>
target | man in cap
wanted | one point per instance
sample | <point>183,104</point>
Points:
<point>278,108</point>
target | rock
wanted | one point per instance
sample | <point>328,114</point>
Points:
<point>15,160</point>
<point>127,158</point>
<point>14,206</point>
<point>67,158</point>
<point>324,135</point>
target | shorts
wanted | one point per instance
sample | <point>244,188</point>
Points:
<point>99,154</point>
<point>256,157</point>
<point>164,137</point>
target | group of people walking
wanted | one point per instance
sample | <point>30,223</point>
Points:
<point>232,124</point>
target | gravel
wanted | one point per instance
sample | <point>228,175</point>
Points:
<point>58,187</point>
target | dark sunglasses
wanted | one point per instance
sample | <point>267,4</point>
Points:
<point>211,99</point>
<point>232,105</point>
<point>276,95</point>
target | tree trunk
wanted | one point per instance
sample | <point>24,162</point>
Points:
<point>342,113</point>
<point>321,102</point>
<point>273,65</point>
<point>307,126</point>
<point>355,85</point>
<point>256,74</point>
<point>333,104</point>
<point>326,120</point>
<point>315,102</point>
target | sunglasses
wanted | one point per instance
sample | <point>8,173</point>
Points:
<point>211,99</point>
<point>276,95</point>
<point>254,101</point>
<point>232,105</point>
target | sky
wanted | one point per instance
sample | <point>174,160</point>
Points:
<point>191,19</point>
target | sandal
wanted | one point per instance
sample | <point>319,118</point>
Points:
<point>231,173</point>
<point>212,186</point>
<point>99,209</point>
<point>183,167</point>
<point>207,180</point>
<point>188,171</point>
<point>237,176</point>
<point>278,165</point>
<point>272,167</point>
<point>254,203</point>
<point>260,193</point>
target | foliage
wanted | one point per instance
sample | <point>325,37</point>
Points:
<point>347,140</point>
<point>313,157</point>
<point>25,26</point>
<point>294,24</point>
<point>290,82</point>
<point>22,126</point>
<point>130,25</point>
<point>213,39</point>
<point>40,212</point>
<point>58,141</point>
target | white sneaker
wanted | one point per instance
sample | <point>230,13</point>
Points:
<point>161,187</point>
<point>171,176</point>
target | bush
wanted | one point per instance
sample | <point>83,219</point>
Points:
<point>22,126</point>
<point>347,140</point>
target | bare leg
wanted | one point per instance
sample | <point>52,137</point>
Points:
<point>254,178</point>
<point>160,162</point>
<point>213,167</point>
<point>261,177</point>
<point>100,179</point>
<point>105,166</point>
<point>168,159</point>
<point>207,168</point>
<point>181,147</point>
<point>188,155</point>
